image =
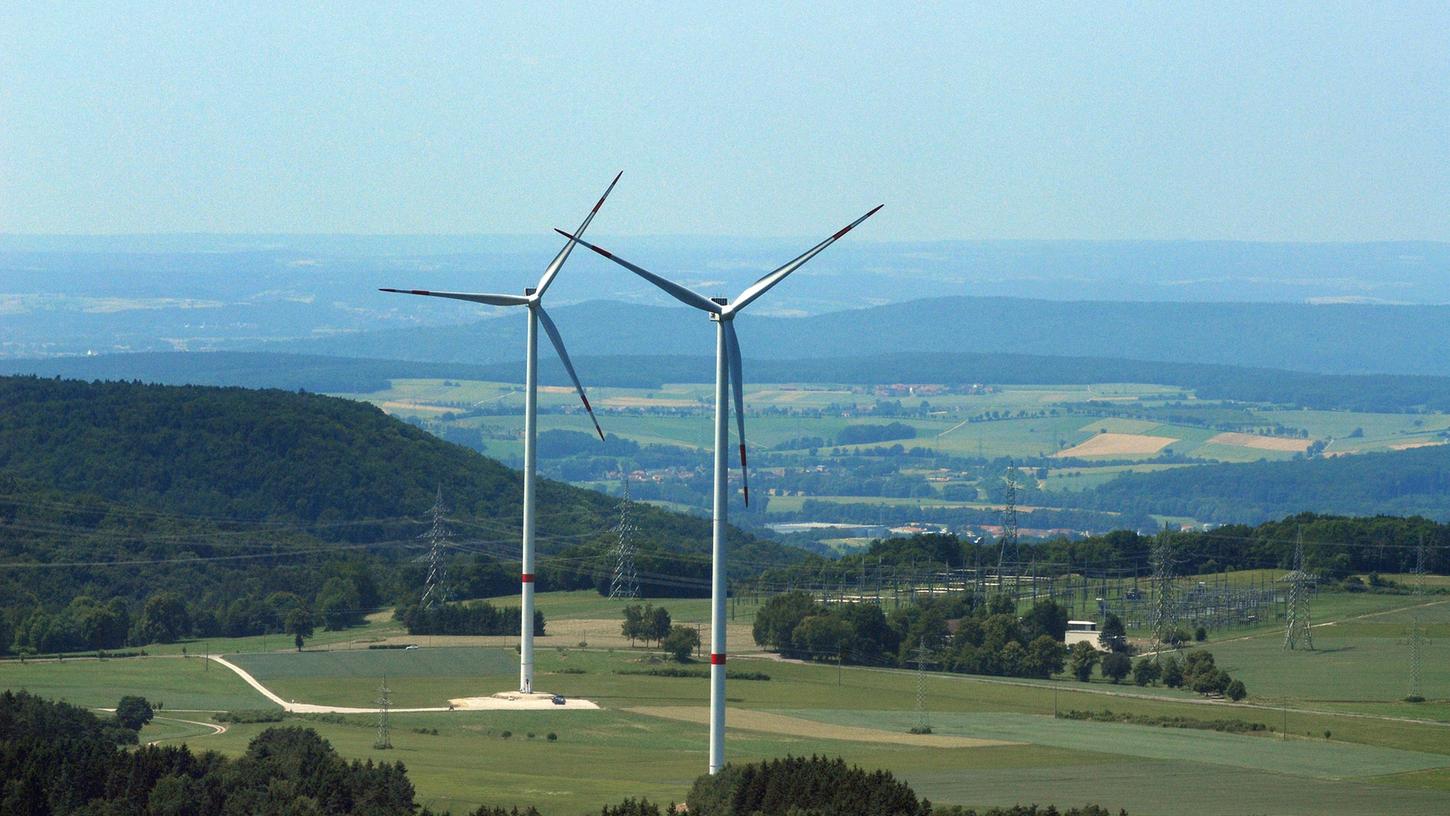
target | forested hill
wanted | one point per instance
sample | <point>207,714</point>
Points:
<point>1402,483</point>
<point>280,457</point>
<point>1369,392</point>
<point>247,455</point>
<point>1341,338</point>
<point>231,498</point>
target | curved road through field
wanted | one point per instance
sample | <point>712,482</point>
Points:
<point>214,728</point>
<point>506,701</point>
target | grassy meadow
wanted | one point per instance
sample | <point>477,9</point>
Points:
<point>1381,755</point>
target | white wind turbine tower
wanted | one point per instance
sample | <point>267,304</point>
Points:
<point>533,299</point>
<point>727,376</point>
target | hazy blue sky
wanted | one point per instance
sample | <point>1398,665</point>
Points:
<point>1253,121</point>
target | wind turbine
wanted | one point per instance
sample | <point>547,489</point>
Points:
<point>533,300</point>
<point>727,376</point>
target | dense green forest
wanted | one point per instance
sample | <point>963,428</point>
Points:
<point>131,513</point>
<point>57,758</point>
<point>1352,392</point>
<point>1334,546</point>
<point>990,638</point>
<point>245,369</point>
<point>1409,482</point>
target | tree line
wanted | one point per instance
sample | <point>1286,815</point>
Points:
<point>958,633</point>
<point>472,618</point>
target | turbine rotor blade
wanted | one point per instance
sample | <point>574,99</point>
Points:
<point>737,389</point>
<point>558,262</point>
<point>675,290</point>
<point>763,285</point>
<point>492,300</point>
<point>558,341</point>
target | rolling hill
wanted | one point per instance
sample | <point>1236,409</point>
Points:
<point>229,496</point>
<point>322,373</point>
<point>1342,338</point>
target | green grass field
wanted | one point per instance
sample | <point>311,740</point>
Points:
<point>177,682</point>
<point>1371,763</point>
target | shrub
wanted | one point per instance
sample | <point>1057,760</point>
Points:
<point>680,642</point>
<point>696,673</point>
<point>1200,634</point>
<point>1115,666</point>
<point>1146,671</point>
<point>1172,673</point>
<point>249,716</point>
<point>506,734</point>
<point>797,784</point>
<point>551,736</point>
<point>1082,658</point>
<point>133,712</point>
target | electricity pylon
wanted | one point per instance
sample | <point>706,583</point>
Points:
<point>1297,631</point>
<point>1164,622</point>
<point>1417,626</point>
<point>384,703</point>
<point>1009,524</point>
<point>922,653</point>
<point>625,583</point>
<point>435,588</point>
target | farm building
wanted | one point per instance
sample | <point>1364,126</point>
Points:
<point>1082,631</point>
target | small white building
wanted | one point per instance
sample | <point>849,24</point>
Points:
<point>1082,631</point>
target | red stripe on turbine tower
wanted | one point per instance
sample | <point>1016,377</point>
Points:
<point>527,577</point>
<point>717,659</point>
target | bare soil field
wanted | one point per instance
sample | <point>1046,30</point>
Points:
<point>393,406</point>
<point>1270,443</point>
<point>1420,443</point>
<point>1116,444</point>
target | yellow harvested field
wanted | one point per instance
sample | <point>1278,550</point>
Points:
<point>1269,443</point>
<point>645,402</point>
<point>750,720</point>
<point>1116,444</point>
